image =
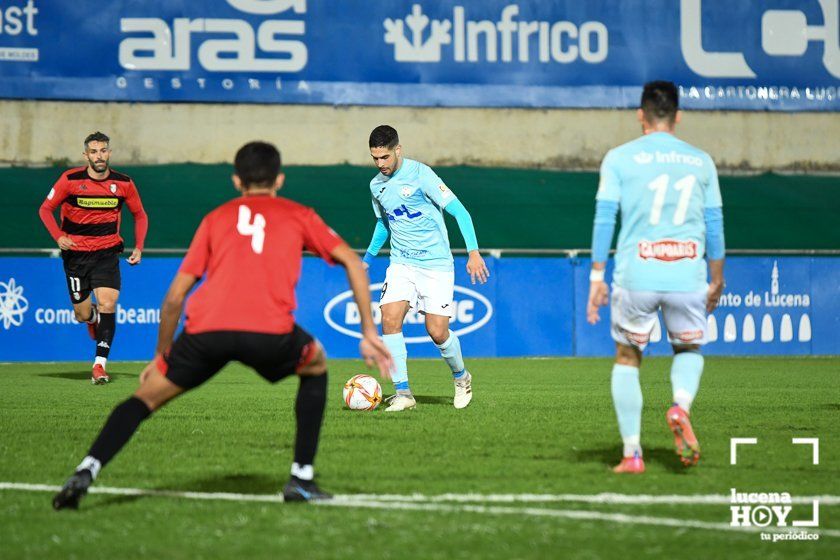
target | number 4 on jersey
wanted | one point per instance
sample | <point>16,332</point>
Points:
<point>256,229</point>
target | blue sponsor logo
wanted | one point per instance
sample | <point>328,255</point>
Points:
<point>471,311</point>
<point>403,211</point>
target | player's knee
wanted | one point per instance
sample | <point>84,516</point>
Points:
<point>315,365</point>
<point>106,306</point>
<point>438,333</point>
<point>391,324</point>
<point>680,348</point>
<point>628,355</point>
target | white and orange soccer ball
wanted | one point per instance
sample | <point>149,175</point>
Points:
<point>362,392</point>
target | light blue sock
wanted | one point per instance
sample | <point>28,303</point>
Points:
<point>396,346</point>
<point>627,397</point>
<point>685,377</point>
<point>450,350</point>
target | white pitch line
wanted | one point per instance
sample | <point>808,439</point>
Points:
<point>568,514</point>
<point>603,498</point>
<point>419,502</point>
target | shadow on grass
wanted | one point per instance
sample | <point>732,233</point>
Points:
<point>85,375</point>
<point>611,456</point>
<point>232,483</point>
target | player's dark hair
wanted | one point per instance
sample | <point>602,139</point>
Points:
<point>96,137</point>
<point>384,136</point>
<point>660,101</point>
<point>257,164</point>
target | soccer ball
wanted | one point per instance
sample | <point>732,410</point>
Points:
<point>362,392</point>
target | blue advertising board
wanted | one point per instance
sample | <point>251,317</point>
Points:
<point>769,55</point>
<point>529,307</point>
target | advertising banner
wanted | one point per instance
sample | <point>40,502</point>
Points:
<point>529,307</point>
<point>772,55</point>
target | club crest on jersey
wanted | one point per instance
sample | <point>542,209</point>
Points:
<point>667,250</point>
<point>406,192</point>
<point>114,188</point>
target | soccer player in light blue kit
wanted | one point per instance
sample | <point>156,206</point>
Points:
<point>408,201</point>
<point>671,214</point>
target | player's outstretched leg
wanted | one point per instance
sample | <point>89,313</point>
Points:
<point>686,371</point>
<point>627,398</point>
<point>450,351</point>
<point>403,399</point>
<point>154,392</point>
<point>309,412</point>
<point>118,429</point>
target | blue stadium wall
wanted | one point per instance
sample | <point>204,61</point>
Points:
<point>530,307</point>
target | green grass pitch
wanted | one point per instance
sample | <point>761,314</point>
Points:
<point>534,427</point>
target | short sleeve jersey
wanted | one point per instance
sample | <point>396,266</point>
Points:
<point>663,186</point>
<point>412,201</point>
<point>249,252</point>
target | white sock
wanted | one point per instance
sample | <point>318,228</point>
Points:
<point>303,472</point>
<point>91,464</point>
<point>632,446</point>
<point>100,361</point>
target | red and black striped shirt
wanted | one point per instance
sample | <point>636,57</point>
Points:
<point>90,209</point>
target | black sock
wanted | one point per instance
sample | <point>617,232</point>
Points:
<point>119,428</point>
<point>309,409</point>
<point>105,333</point>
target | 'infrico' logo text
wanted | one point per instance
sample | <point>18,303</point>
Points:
<point>471,312</point>
<point>564,42</point>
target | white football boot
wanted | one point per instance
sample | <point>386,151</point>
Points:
<point>398,403</point>
<point>463,391</point>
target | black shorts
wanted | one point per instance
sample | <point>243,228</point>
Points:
<point>195,358</point>
<point>86,270</point>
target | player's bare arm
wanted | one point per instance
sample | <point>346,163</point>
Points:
<point>170,311</point>
<point>371,347</point>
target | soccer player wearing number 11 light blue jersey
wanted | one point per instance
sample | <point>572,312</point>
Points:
<point>408,201</point>
<point>671,215</point>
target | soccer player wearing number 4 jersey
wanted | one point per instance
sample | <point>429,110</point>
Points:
<point>671,215</point>
<point>408,201</point>
<point>249,253</point>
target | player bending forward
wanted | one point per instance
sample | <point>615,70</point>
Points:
<point>671,215</point>
<point>249,253</point>
<point>408,201</point>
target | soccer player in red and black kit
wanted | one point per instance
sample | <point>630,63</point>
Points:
<point>249,252</point>
<point>91,199</point>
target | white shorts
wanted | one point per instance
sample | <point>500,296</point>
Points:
<point>425,290</point>
<point>633,315</point>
